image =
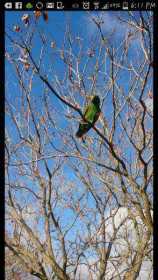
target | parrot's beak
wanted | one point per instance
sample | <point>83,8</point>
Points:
<point>90,97</point>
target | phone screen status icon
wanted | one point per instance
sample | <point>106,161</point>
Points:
<point>125,6</point>
<point>50,5</point>
<point>86,5</point>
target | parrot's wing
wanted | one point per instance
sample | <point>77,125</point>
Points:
<point>97,116</point>
<point>90,113</point>
<point>86,110</point>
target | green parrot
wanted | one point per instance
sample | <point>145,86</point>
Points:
<point>91,114</point>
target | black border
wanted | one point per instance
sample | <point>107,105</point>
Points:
<point>155,152</point>
<point>68,6</point>
<point>2,150</point>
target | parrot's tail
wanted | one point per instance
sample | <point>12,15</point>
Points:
<point>79,133</point>
<point>83,128</point>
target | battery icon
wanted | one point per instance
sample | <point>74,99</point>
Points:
<point>125,6</point>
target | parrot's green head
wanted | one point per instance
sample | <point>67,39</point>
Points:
<point>96,100</point>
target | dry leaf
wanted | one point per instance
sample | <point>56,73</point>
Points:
<point>45,16</point>
<point>25,18</point>
<point>27,66</point>
<point>37,14</point>
<point>16,28</point>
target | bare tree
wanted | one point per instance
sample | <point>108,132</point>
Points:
<point>74,209</point>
